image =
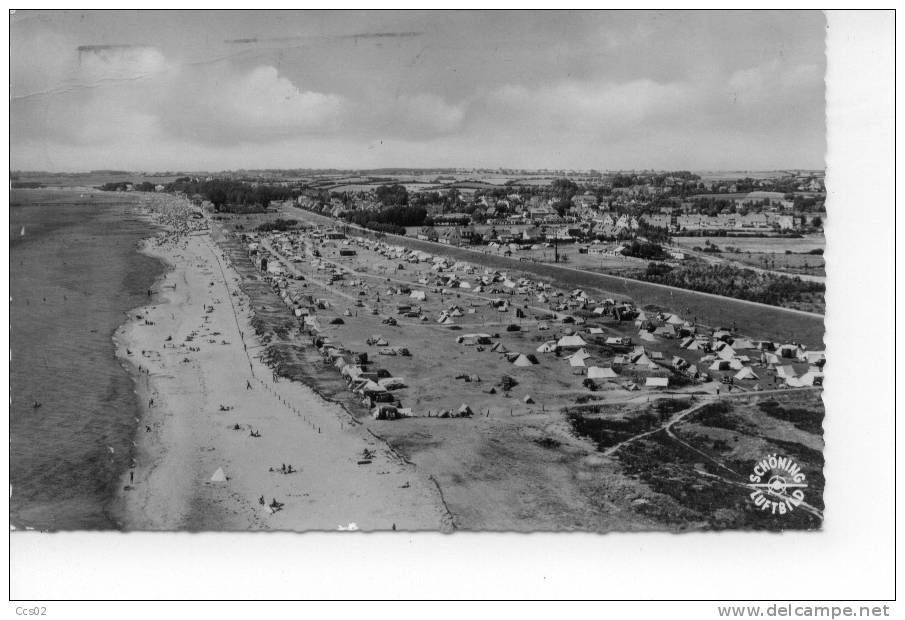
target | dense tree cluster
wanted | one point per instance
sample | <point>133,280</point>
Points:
<point>122,186</point>
<point>229,195</point>
<point>388,219</point>
<point>645,250</point>
<point>278,224</point>
<point>392,195</point>
<point>746,284</point>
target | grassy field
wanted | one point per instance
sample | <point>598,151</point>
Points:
<point>811,264</point>
<point>775,245</point>
<point>698,471</point>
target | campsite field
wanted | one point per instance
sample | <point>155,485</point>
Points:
<point>767,321</point>
<point>513,465</point>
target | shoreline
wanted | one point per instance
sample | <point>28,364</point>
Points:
<point>141,388</point>
<point>190,438</point>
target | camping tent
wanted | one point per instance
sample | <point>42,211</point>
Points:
<point>522,360</point>
<point>746,373</point>
<point>726,353</point>
<point>547,347</point>
<point>656,382</point>
<point>595,372</point>
<point>384,412</point>
<point>573,341</point>
<point>675,320</point>
<point>719,365</point>
<point>580,354</point>
<point>786,372</point>
<point>811,378</point>
<point>218,476</point>
<point>697,345</point>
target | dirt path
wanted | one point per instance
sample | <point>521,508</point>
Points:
<point>667,428</point>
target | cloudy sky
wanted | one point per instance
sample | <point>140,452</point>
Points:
<point>220,90</point>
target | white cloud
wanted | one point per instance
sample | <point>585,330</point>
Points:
<point>426,113</point>
<point>259,104</point>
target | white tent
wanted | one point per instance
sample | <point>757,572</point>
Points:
<point>786,372</point>
<point>697,345</point>
<point>746,373</point>
<point>719,365</point>
<point>811,378</point>
<point>743,343</point>
<point>218,476</point>
<point>419,295</point>
<point>576,362</point>
<point>727,353</point>
<point>580,354</point>
<point>812,357</point>
<point>571,342</point>
<point>595,372</point>
<point>595,330</point>
<point>522,360</point>
<point>656,382</point>
<point>547,347</point>
<point>675,320</point>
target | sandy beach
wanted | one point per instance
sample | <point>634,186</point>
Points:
<point>211,404</point>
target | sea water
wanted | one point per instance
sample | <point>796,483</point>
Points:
<point>74,276</point>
